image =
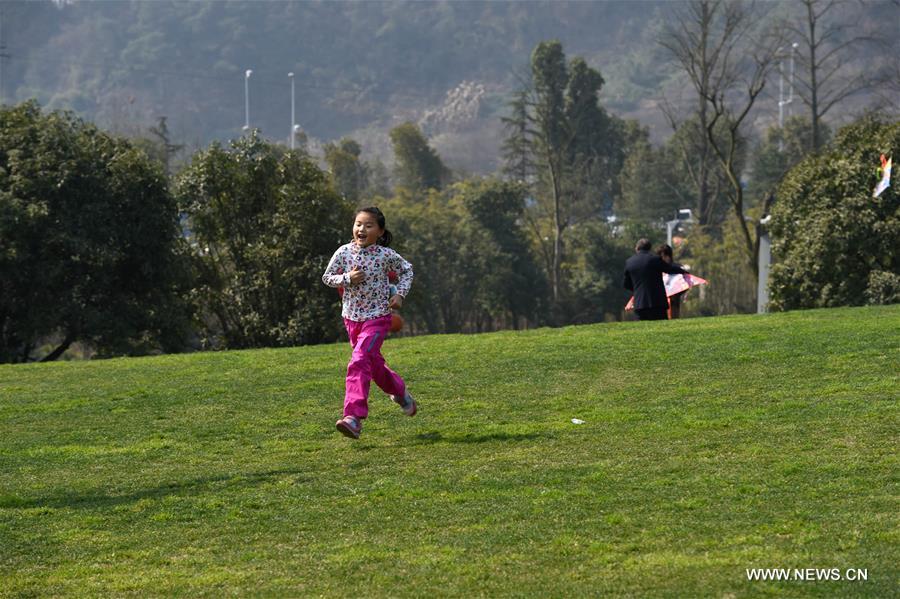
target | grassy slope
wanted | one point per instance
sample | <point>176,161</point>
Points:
<point>710,446</point>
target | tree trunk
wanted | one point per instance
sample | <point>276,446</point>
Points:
<point>704,217</point>
<point>705,72</point>
<point>557,232</point>
<point>814,88</point>
<point>56,353</point>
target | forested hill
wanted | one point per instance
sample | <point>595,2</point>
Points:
<point>360,67</point>
<point>357,65</point>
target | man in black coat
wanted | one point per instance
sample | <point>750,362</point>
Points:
<point>643,277</point>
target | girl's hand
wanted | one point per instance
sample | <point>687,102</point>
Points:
<point>396,302</point>
<point>357,276</point>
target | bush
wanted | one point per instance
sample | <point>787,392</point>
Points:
<point>720,260</point>
<point>884,288</point>
<point>263,224</point>
<point>829,235</point>
<point>90,245</point>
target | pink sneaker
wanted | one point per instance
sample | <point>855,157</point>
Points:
<point>406,402</point>
<point>349,426</point>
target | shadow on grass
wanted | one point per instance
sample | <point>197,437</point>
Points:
<point>437,437</point>
<point>186,487</point>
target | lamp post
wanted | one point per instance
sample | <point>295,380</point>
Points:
<point>682,216</point>
<point>765,260</point>
<point>247,74</point>
<point>293,121</point>
<point>790,99</point>
<point>782,101</point>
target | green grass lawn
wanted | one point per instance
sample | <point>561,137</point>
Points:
<point>709,446</point>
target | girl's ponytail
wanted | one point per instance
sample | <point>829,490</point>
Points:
<point>385,239</point>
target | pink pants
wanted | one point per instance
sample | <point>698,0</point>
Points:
<point>367,364</point>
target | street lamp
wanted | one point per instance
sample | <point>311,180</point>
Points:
<point>293,121</point>
<point>782,101</point>
<point>764,262</point>
<point>682,216</point>
<point>247,74</point>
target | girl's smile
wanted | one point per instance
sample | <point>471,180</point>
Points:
<point>366,230</point>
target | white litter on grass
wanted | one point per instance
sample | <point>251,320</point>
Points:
<point>577,421</point>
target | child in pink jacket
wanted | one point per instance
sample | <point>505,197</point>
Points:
<point>361,267</point>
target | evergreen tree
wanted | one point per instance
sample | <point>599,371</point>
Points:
<point>264,223</point>
<point>833,244</point>
<point>348,172</point>
<point>90,243</point>
<point>418,167</point>
<point>516,147</point>
<point>559,129</point>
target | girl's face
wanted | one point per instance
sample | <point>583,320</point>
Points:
<point>366,230</point>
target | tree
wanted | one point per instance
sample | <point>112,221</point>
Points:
<point>558,129</point>
<point>349,174</point>
<point>90,243</point>
<point>595,272</point>
<point>167,148</point>
<point>552,138</point>
<point>696,41</point>
<point>710,253</point>
<point>653,184</point>
<point>378,179</point>
<point>418,166</point>
<point>781,150</point>
<point>516,146</point>
<point>159,147</point>
<point>833,244</point>
<point>263,223</point>
<point>510,286</point>
<point>687,163</point>
<point>427,233</point>
<point>596,148</point>
<point>474,268</point>
<point>826,79</point>
<point>735,68</point>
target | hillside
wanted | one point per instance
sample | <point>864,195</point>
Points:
<point>360,67</point>
<point>708,446</point>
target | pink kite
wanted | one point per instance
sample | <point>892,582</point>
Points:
<point>675,284</point>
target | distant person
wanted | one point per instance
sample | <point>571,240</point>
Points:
<point>643,277</point>
<point>664,251</point>
<point>361,267</point>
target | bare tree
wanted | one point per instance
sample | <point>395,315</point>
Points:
<point>697,43</point>
<point>825,33</point>
<point>712,41</point>
<point>168,149</point>
<point>889,88</point>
